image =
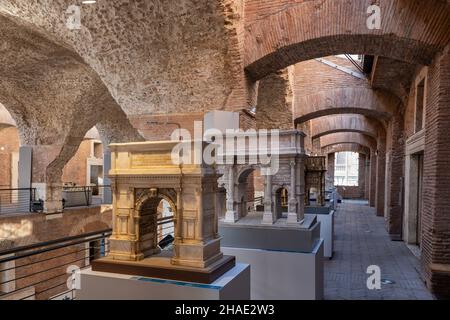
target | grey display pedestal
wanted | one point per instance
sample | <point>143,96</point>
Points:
<point>286,260</point>
<point>233,285</point>
<point>325,215</point>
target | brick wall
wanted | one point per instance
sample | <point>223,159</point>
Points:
<point>76,169</point>
<point>155,132</point>
<point>35,228</point>
<point>9,143</point>
<point>436,199</point>
<point>274,108</point>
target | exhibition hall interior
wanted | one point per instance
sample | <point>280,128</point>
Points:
<point>224,150</point>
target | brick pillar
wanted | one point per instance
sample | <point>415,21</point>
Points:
<point>362,174</point>
<point>373,178</point>
<point>395,177</point>
<point>274,107</point>
<point>46,180</point>
<point>436,192</point>
<point>380,176</point>
<point>367,177</point>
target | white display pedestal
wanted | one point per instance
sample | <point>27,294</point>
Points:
<point>233,285</point>
<point>327,232</point>
<point>283,275</point>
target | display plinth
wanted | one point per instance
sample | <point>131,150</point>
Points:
<point>326,219</point>
<point>161,267</point>
<point>250,233</point>
<point>286,259</point>
<point>94,285</point>
<point>283,275</point>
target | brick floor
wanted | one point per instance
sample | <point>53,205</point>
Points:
<point>361,240</point>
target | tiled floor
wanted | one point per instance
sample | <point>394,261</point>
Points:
<point>361,240</point>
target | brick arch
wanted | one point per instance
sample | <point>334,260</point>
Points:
<point>364,101</point>
<point>290,32</point>
<point>346,147</point>
<point>348,137</point>
<point>345,123</point>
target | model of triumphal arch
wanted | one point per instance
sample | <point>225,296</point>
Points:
<point>289,176</point>
<point>144,173</point>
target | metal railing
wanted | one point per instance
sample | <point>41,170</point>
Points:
<point>77,196</point>
<point>165,230</point>
<point>17,200</point>
<point>43,271</point>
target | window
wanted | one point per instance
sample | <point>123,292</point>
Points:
<point>346,166</point>
<point>420,102</point>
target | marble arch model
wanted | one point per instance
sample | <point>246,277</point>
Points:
<point>142,174</point>
<point>289,176</point>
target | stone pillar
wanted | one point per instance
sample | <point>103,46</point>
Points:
<point>25,172</point>
<point>373,178</point>
<point>47,183</point>
<point>380,176</point>
<point>269,215</point>
<point>300,187</point>
<point>435,256</point>
<point>395,178</point>
<point>231,214</point>
<point>107,194</point>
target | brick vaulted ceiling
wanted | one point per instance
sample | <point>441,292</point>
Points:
<point>284,32</point>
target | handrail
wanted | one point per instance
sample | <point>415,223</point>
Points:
<point>50,242</point>
<point>45,278</point>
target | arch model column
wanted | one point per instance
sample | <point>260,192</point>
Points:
<point>269,214</point>
<point>231,214</point>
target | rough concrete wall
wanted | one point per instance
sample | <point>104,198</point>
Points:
<point>274,108</point>
<point>154,56</point>
<point>52,77</point>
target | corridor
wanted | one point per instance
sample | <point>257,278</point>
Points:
<point>361,240</point>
